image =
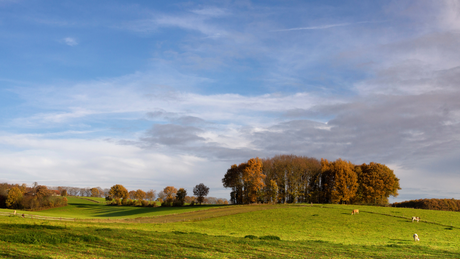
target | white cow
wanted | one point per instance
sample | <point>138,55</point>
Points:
<point>415,219</point>
<point>416,237</point>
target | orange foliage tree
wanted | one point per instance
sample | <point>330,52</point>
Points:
<point>345,180</point>
<point>118,191</point>
<point>170,192</point>
<point>376,183</point>
<point>253,179</point>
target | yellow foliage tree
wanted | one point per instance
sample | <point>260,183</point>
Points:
<point>95,192</point>
<point>13,200</point>
<point>345,181</point>
<point>118,191</point>
<point>253,179</point>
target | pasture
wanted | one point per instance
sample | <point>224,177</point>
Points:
<point>305,231</point>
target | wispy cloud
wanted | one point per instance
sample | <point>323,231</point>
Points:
<point>70,41</point>
<point>327,26</point>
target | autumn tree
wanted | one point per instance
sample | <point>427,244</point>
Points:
<point>64,192</point>
<point>132,194</point>
<point>345,180</point>
<point>170,192</point>
<point>200,191</point>
<point>253,179</point>
<point>180,196</point>
<point>118,191</point>
<point>14,198</point>
<point>376,183</point>
<point>151,195</point>
<point>272,191</point>
<point>95,192</point>
<point>42,191</point>
<point>140,195</point>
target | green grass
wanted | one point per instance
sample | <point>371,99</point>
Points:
<point>268,231</point>
<point>85,209</point>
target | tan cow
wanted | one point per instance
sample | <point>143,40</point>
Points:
<point>355,212</point>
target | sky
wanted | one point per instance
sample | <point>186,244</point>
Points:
<point>150,94</point>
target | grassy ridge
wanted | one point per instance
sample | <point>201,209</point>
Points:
<point>86,209</point>
<point>319,231</point>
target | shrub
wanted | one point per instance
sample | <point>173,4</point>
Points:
<point>270,237</point>
<point>251,237</point>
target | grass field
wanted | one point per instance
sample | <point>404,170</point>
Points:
<point>305,231</point>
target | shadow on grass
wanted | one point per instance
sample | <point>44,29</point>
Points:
<point>122,211</point>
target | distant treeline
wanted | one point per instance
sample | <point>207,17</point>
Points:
<point>135,197</point>
<point>15,196</point>
<point>431,204</point>
<point>119,196</point>
<point>292,179</point>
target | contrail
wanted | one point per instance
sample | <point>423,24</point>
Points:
<point>327,26</point>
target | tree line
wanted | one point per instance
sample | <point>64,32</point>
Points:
<point>431,204</point>
<point>37,197</point>
<point>292,179</point>
<point>169,196</point>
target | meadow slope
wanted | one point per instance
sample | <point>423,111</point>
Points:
<point>318,231</point>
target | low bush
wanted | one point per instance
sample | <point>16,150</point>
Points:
<point>270,237</point>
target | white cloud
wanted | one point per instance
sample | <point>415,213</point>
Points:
<point>70,41</point>
<point>90,163</point>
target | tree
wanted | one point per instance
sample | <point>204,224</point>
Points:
<point>161,196</point>
<point>118,191</point>
<point>42,191</point>
<point>180,196</point>
<point>253,179</point>
<point>14,198</point>
<point>273,191</point>
<point>170,192</point>
<point>150,195</point>
<point>345,183</point>
<point>64,192</point>
<point>234,179</point>
<point>95,192</point>
<point>376,183</point>
<point>132,195</point>
<point>139,195</point>
<point>201,191</point>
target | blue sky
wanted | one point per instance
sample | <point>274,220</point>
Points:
<point>152,93</point>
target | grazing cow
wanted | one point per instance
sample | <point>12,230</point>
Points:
<point>23,215</point>
<point>415,219</point>
<point>355,212</point>
<point>416,237</point>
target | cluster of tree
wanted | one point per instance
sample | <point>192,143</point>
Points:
<point>169,196</point>
<point>292,179</point>
<point>82,192</point>
<point>431,204</point>
<point>15,196</point>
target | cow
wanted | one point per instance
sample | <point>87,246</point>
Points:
<point>355,212</point>
<point>415,236</point>
<point>14,213</point>
<point>415,219</point>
